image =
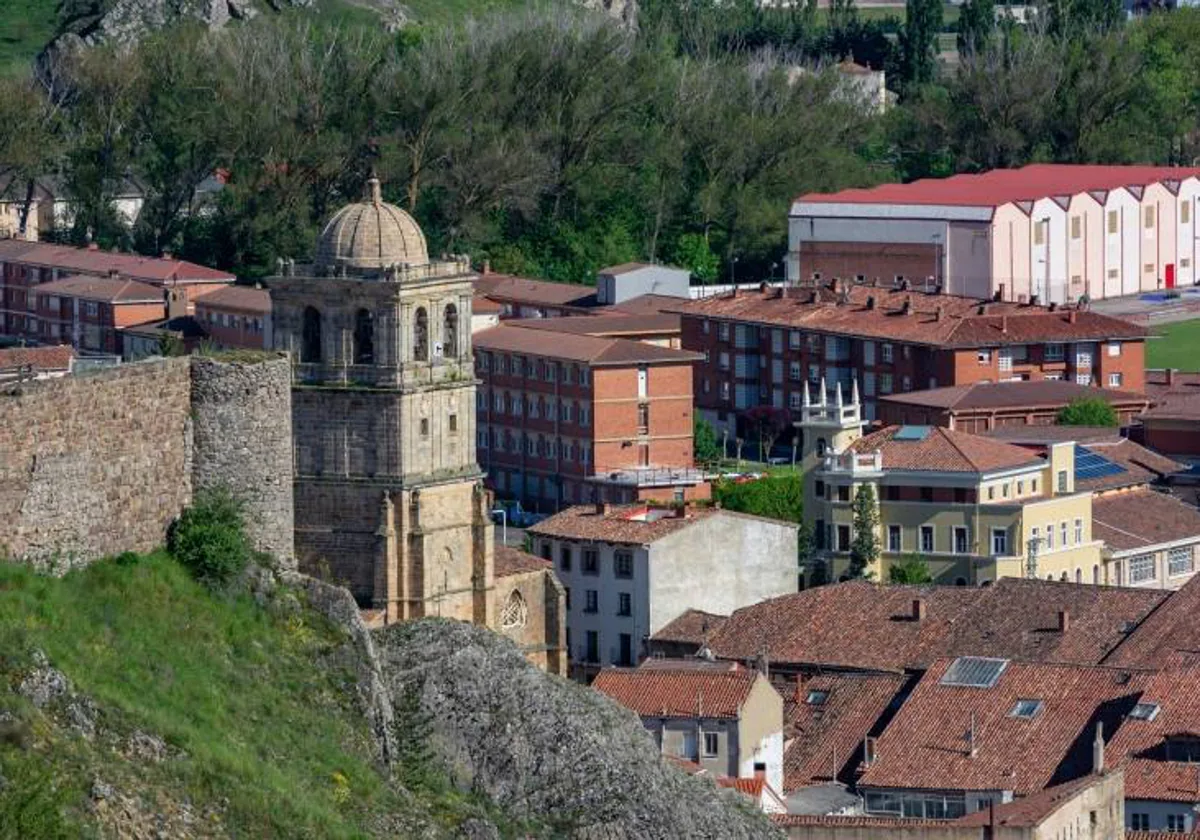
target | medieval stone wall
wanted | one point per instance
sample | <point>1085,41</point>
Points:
<point>100,463</point>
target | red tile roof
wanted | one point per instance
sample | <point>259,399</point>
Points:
<point>825,739</point>
<point>944,450</point>
<point>1148,774</point>
<point>481,305</point>
<point>1142,518</point>
<point>240,298</point>
<point>691,627</point>
<point>106,289</point>
<point>154,270</point>
<point>598,352</point>
<point>511,561</point>
<point>928,745</point>
<point>1174,405</point>
<point>617,524</point>
<point>1168,633</point>
<point>38,358</point>
<point>750,787</point>
<point>1142,465</point>
<point>1001,186</point>
<point>606,325</point>
<point>1032,810</point>
<point>1015,618</point>
<point>683,693</point>
<point>877,312</point>
<point>689,767</point>
<point>508,287</point>
<point>1042,393</point>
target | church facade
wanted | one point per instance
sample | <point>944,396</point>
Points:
<point>389,499</point>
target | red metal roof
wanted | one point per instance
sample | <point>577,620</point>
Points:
<point>1001,186</point>
<point>155,270</point>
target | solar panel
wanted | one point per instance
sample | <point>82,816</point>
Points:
<point>911,433</point>
<point>1090,465</point>
<point>974,671</point>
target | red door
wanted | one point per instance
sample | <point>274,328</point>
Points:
<point>1170,275</point>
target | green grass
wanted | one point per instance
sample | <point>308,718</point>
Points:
<point>25,27</point>
<point>1179,346</point>
<point>261,717</point>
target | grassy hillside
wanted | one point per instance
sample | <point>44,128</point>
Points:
<point>205,713</point>
<point>25,27</point>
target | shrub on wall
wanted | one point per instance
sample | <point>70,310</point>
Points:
<point>209,538</point>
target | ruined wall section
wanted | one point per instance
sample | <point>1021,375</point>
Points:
<point>242,433</point>
<point>94,464</point>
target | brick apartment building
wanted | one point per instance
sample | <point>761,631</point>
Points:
<point>236,316</point>
<point>24,265</point>
<point>761,347</point>
<point>566,418</point>
<point>89,313</point>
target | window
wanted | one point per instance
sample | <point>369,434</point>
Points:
<point>999,542</point>
<point>843,493</point>
<point>424,427</point>
<point>310,336</point>
<point>1076,227</point>
<point>1020,488</point>
<point>794,339</point>
<point>926,494</point>
<point>885,353</point>
<point>624,603</point>
<point>1062,481</point>
<point>592,653</point>
<point>1026,709</point>
<point>625,653</point>
<point>421,335</point>
<point>1112,221</point>
<point>961,545</point>
<point>564,558</point>
<point>585,416</point>
<point>991,492</point>
<point>1083,379</point>
<point>591,601</point>
<point>1144,711</point>
<point>515,614</point>
<point>1055,352</point>
<point>1115,380</point>
<point>623,565</point>
<point>984,357</point>
<point>591,561</point>
<point>795,371</point>
<point>907,384</point>
<point>1039,231</point>
<point>453,423</point>
<point>704,327</point>
<point>816,697</point>
<point>1149,217</point>
<point>926,538</point>
<point>450,331</point>
<point>1050,536</point>
<point>1078,532</point>
<point>1141,568</point>
<point>1006,358</point>
<point>1062,533</point>
<point>885,383</point>
<point>1114,348</point>
<point>1176,823</point>
<point>1004,489</point>
<point>1035,534</point>
<point>1179,561</point>
<point>711,744</point>
<point>843,538</point>
<point>1185,212</point>
<point>894,538</point>
<point>723,331</point>
<point>1139,822</point>
<point>794,401</point>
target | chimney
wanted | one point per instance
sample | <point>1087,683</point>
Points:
<point>972,749</point>
<point>760,774</point>
<point>918,609</point>
<point>167,255</point>
<point>487,267</point>
<point>1033,300</point>
<point>1098,749</point>
<point>870,301</point>
<point>904,284</point>
<point>906,307</point>
<point>113,273</point>
<point>941,313</point>
<point>1064,621</point>
<point>1171,375</point>
<point>601,508</point>
<point>869,751</point>
<point>1053,306</point>
<point>1072,316</point>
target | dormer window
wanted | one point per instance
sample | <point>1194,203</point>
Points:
<point>816,697</point>
<point>1144,711</point>
<point>1026,709</point>
<point>1183,748</point>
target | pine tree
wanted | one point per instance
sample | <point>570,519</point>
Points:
<point>864,550</point>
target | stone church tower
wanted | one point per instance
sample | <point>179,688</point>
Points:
<point>388,496</point>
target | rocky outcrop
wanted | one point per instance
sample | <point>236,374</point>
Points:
<point>544,749</point>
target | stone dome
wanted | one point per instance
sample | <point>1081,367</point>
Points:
<point>371,234</point>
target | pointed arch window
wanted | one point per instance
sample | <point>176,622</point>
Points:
<point>450,332</point>
<point>310,336</point>
<point>421,336</point>
<point>515,613</point>
<point>364,337</point>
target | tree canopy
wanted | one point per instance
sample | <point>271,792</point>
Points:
<point>1087,411</point>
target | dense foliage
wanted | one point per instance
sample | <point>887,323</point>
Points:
<point>864,548</point>
<point>1088,411</point>
<point>209,539</point>
<point>775,497</point>
<point>911,568</point>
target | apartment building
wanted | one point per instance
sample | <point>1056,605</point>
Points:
<point>25,265</point>
<point>89,313</point>
<point>631,569</point>
<point>236,317</point>
<point>976,509</point>
<point>566,418</point>
<point>1052,232</point>
<point>762,347</point>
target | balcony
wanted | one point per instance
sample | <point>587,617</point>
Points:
<point>856,464</point>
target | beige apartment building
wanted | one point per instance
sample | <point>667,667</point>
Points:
<point>974,508</point>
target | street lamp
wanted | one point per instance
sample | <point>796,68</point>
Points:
<point>503,524</point>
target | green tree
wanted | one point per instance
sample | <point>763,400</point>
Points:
<point>705,448</point>
<point>1087,411</point>
<point>919,42</point>
<point>774,497</point>
<point>693,253</point>
<point>209,538</point>
<point>912,568</point>
<point>976,22</point>
<point>864,549</point>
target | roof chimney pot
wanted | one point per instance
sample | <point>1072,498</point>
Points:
<point>1064,621</point>
<point>1072,316</point>
<point>941,312</point>
<point>1098,749</point>
<point>1004,324</point>
<point>870,301</point>
<point>1171,375</point>
<point>918,609</point>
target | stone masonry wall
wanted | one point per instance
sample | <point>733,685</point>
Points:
<point>96,464</point>
<point>242,432</point>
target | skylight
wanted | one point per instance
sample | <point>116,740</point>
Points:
<point>816,698</point>
<point>911,433</point>
<point>1144,711</point>
<point>974,671</point>
<point>1090,465</point>
<point>1026,709</point>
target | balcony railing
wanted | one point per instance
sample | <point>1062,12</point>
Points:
<point>854,463</point>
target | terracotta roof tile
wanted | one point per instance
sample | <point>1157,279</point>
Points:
<point>691,627</point>
<point>241,298</point>
<point>683,693</point>
<point>619,524</point>
<point>507,338</point>
<point>508,287</point>
<point>1015,618</point>
<point>1001,186</point>
<point>106,289</point>
<point>154,270</point>
<point>928,744</point>
<point>825,739</point>
<point>1148,774</point>
<point>606,325</point>
<point>1042,393</point>
<point>689,767</point>
<point>1142,518</point>
<point>1042,435</point>
<point>875,312</point>
<point>944,450</point>
<point>511,561</point>
<point>749,787</point>
<point>1167,632</point>
<point>481,305</point>
<point>1142,465</point>
<point>38,358</point>
<point>1174,405</point>
<point>1029,811</point>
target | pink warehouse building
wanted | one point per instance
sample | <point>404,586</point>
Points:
<point>1052,231</point>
